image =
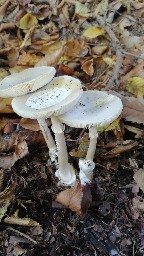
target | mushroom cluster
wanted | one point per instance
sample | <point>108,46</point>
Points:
<point>38,95</point>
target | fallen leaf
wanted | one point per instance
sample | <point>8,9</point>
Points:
<point>77,198</point>
<point>99,49</point>
<point>135,85</point>
<point>102,7</point>
<point>119,149</point>
<point>133,110</point>
<point>21,221</point>
<point>139,132</point>
<point>53,53</point>
<point>27,21</point>
<point>87,67</point>
<point>82,149</point>
<point>75,48</point>
<point>139,178</point>
<point>21,150</point>
<point>28,59</point>
<point>5,105</point>
<point>109,61</point>
<point>93,32</point>
<point>135,71</point>
<point>81,10</point>
<point>6,196</point>
<point>31,124</point>
<point>3,74</point>
<point>3,9</point>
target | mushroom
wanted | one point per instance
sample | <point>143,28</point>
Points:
<point>61,94</point>
<point>95,109</point>
<point>26,81</point>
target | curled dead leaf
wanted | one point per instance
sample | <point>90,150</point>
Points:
<point>87,67</point>
<point>77,198</point>
<point>22,222</point>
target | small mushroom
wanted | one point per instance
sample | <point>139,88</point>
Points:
<point>95,109</point>
<point>61,94</point>
<point>26,81</point>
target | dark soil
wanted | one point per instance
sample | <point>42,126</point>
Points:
<point>108,227</point>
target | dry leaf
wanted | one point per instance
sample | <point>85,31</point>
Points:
<point>28,59</point>
<point>6,196</point>
<point>21,150</point>
<point>82,149</point>
<point>22,222</point>
<point>5,105</point>
<point>87,67</point>
<point>133,110</point>
<point>136,71</point>
<point>99,49</point>
<point>135,86</point>
<point>3,73</point>
<point>8,142</point>
<point>127,145</point>
<point>82,10</point>
<point>13,56</point>
<point>93,32</point>
<point>27,21</point>
<point>53,54</point>
<point>31,124</point>
<point>139,178</point>
<point>109,61</point>
<point>77,198</point>
<point>139,132</point>
<point>102,7</point>
<point>75,48</point>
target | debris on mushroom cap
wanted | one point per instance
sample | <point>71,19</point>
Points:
<point>26,81</point>
<point>94,109</point>
<point>55,98</point>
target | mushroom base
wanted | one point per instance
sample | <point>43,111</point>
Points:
<point>86,170</point>
<point>53,156</point>
<point>68,178</point>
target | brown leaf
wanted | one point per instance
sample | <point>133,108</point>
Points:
<point>5,105</point>
<point>28,59</point>
<point>21,150</point>
<point>77,198</point>
<point>127,145</point>
<point>133,110</point>
<point>8,142</point>
<point>13,56</point>
<point>3,9</point>
<point>136,71</point>
<point>87,67</point>
<point>31,124</point>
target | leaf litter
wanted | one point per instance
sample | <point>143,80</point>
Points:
<point>101,43</point>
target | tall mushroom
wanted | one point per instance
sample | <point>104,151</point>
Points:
<point>27,81</point>
<point>95,109</point>
<point>61,94</point>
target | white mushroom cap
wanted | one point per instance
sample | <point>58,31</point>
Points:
<point>55,98</point>
<point>94,109</point>
<point>26,81</point>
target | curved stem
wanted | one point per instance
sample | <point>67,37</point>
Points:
<point>48,139</point>
<point>65,173</point>
<point>93,135</point>
<point>46,133</point>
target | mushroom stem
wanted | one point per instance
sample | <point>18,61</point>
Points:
<point>65,172</point>
<point>48,139</point>
<point>87,165</point>
<point>93,135</point>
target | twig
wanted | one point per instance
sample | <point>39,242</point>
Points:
<point>22,234</point>
<point>119,57</point>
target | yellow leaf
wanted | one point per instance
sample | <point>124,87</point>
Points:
<point>87,67</point>
<point>5,105</point>
<point>109,61</point>
<point>28,21</point>
<point>111,126</point>
<point>82,10</point>
<point>136,86</point>
<point>82,149</point>
<point>102,7</point>
<point>93,32</point>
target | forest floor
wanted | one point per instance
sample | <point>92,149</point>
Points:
<point>101,43</point>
